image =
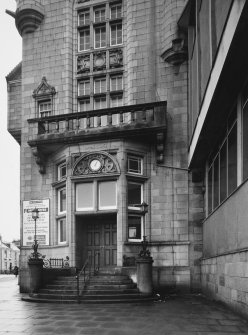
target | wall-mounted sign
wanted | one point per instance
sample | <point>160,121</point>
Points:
<point>42,223</point>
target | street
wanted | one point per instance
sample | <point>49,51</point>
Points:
<point>174,316</point>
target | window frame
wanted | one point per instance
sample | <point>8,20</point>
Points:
<point>59,192</point>
<point>116,24</point>
<point>141,160</point>
<point>60,166</point>
<point>64,230</point>
<point>86,87</point>
<point>86,11</point>
<point>115,6</point>
<point>102,41</point>
<point>101,18</point>
<point>86,44</point>
<point>47,112</point>
<point>141,228</point>
<point>99,207</point>
<point>84,102</point>
<point>137,207</point>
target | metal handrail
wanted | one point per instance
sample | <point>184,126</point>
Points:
<point>85,277</point>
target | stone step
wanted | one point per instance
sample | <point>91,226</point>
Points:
<point>87,301</point>
<point>110,291</point>
<point>112,286</point>
<point>57,291</point>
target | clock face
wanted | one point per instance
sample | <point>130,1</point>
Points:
<point>95,165</point>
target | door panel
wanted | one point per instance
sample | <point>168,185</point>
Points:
<point>102,242</point>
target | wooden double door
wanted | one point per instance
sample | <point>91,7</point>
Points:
<point>101,242</point>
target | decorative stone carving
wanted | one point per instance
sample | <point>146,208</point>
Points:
<point>83,63</point>
<point>40,160</point>
<point>160,147</point>
<point>96,163</point>
<point>28,16</point>
<point>177,54</point>
<point>99,61</point>
<point>115,58</point>
<point>44,89</point>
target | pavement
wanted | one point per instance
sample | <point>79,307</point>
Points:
<point>187,315</point>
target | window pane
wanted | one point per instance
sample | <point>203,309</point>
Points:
<point>232,160</point>
<point>134,165</point>
<point>100,85</point>
<point>210,185</point>
<point>245,142</point>
<point>83,88</point>
<point>100,37</point>
<point>116,83</point>
<point>216,182</point>
<point>62,230</point>
<point>107,194</point>
<point>99,14</point>
<point>84,40</point>
<point>116,101</point>
<point>83,18</point>
<point>223,173</point>
<point>84,196</point>
<point>116,34</point>
<point>116,12</point>
<point>134,195</point>
<point>84,105</point>
<point>62,200</point>
<point>100,103</point>
<point>61,171</point>
<point>134,228</point>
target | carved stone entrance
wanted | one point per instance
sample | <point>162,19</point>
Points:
<point>100,240</point>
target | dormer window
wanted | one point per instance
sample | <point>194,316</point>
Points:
<point>45,108</point>
<point>44,96</point>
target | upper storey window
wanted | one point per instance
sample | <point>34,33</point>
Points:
<point>115,11</point>
<point>99,14</point>
<point>116,34</point>
<point>45,108</point>
<point>84,18</point>
<point>100,37</point>
<point>84,40</point>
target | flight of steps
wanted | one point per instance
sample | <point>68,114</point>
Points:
<point>102,288</point>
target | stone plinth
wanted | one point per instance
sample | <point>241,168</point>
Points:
<point>144,274</point>
<point>35,272</point>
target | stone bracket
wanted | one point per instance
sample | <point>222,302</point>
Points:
<point>40,160</point>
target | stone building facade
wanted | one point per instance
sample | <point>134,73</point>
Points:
<point>99,107</point>
<point>117,104</point>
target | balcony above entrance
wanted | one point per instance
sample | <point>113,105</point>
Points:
<point>47,133</point>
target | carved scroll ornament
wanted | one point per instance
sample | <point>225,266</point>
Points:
<point>97,163</point>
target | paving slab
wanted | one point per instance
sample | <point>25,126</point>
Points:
<point>176,315</point>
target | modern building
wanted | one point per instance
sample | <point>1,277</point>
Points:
<point>118,104</point>
<point>9,256</point>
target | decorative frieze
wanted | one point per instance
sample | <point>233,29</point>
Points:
<point>115,58</point>
<point>83,64</point>
<point>99,61</point>
<point>97,163</point>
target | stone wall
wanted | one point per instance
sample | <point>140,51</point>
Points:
<point>225,278</point>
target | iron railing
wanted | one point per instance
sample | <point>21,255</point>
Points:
<point>56,263</point>
<point>85,273</point>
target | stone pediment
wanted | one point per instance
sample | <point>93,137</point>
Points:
<point>44,89</point>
